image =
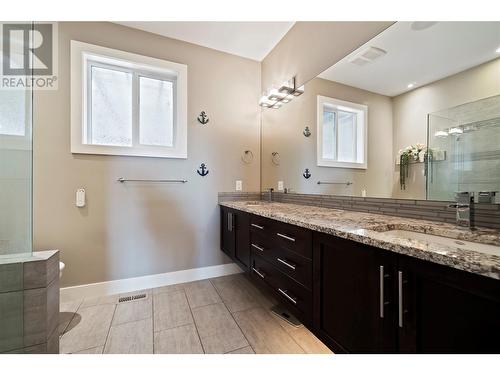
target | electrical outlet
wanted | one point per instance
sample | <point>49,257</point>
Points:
<point>280,186</point>
<point>363,193</point>
<point>239,185</point>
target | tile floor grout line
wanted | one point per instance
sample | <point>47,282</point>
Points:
<point>196,328</point>
<point>109,330</point>
<point>72,317</point>
<point>153,318</point>
<point>167,329</point>
<point>243,333</point>
<point>210,304</point>
<point>232,316</point>
<point>89,349</point>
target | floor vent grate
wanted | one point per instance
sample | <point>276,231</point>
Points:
<point>131,298</point>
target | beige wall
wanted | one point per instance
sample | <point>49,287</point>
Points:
<point>410,113</point>
<point>129,230</point>
<point>311,47</point>
<point>282,132</point>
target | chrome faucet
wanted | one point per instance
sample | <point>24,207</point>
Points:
<point>464,201</point>
<point>270,196</point>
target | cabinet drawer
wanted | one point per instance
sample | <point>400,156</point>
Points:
<point>291,264</point>
<point>292,294</point>
<point>261,225</point>
<point>260,243</point>
<point>293,238</point>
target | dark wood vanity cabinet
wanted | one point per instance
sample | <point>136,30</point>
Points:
<point>368,300</point>
<point>235,235</point>
<point>445,310</point>
<point>352,297</point>
<point>361,299</point>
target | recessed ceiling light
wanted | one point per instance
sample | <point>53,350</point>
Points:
<point>498,50</point>
<point>455,131</point>
<point>410,85</point>
<point>441,134</point>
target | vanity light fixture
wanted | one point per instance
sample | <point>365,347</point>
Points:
<point>441,134</point>
<point>266,102</point>
<point>275,98</point>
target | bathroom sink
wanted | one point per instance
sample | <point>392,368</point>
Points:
<point>452,242</point>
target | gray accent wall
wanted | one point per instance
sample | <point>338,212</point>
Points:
<point>136,229</point>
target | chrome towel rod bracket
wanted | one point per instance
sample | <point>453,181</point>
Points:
<point>122,180</point>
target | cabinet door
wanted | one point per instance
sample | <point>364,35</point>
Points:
<point>444,310</point>
<point>242,247</point>
<point>227,232</point>
<point>349,287</point>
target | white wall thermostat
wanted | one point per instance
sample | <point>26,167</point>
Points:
<point>80,198</point>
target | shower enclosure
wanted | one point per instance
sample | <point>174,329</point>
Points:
<point>15,206</point>
<point>464,150</point>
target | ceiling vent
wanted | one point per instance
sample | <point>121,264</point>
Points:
<point>367,56</point>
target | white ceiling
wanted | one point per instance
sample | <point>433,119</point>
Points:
<point>419,56</point>
<point>253,40</point>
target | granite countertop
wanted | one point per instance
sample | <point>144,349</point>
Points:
<point>369,229</point>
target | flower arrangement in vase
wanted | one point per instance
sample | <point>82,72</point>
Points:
<point>416,153</point>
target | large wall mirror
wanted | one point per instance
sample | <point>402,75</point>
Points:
<point>412,114</point>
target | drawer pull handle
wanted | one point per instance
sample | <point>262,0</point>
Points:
<point>258,272</point>
<point>258,247</point>
<point>286,237</point>
<point>257,226</point>
<point>381,287</point>
<point>289,265</point>
<point>291,299</point>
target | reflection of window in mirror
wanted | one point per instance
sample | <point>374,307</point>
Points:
<point>15,118</point>
<point>341,128</point>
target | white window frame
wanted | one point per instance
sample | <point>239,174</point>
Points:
<point>361,133</point>
<point>83,56</point>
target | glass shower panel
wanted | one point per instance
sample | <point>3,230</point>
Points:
<point>464,148</point>
<point>15,172</point>
<point>15,202</point>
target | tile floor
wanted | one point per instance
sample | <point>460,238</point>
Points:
<point>222,315</point>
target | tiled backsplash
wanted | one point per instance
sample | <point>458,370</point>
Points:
<point>239,196</point>
<point>486,215</point>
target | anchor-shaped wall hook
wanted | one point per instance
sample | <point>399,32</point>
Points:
<point>203,118</point>
<point>306,173</point>
<point>204,171</point>
<point>306,132</point>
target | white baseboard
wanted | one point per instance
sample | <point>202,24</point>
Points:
<point>146,282</point>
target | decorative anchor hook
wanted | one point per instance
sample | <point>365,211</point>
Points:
<point>306,174</point>
<point>204,171</point>
<point>307,132</point>
<point>203,118</point>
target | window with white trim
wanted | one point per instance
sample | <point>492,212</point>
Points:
<point>341,129</point>
<point>127,104</point>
